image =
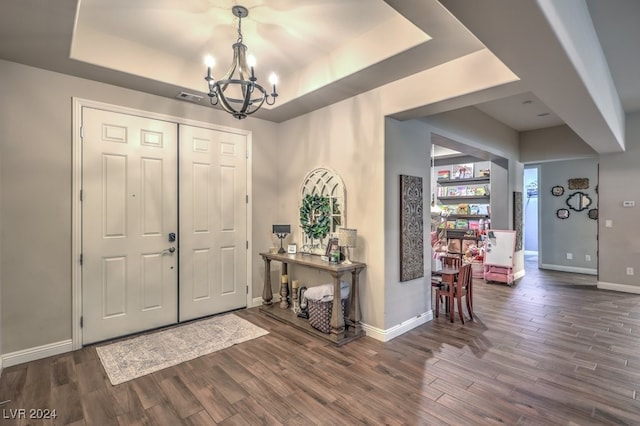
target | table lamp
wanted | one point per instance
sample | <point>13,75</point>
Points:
<point>281,232</point>
<point>347,239</point>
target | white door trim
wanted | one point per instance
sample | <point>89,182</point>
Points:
<point>76,205</point>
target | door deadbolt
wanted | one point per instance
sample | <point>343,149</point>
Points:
<point>172,237</point>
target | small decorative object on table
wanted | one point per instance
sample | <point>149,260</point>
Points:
<point>315,215</point>
<point>347,238</point>
<point>304,307</point>
<point>284,291</point>
<point>295,302</point>
<point>281,232</point>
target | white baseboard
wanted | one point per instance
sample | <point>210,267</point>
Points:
<point>519,274</point>
<point>397,330</point>
<point>576,270</point>
<point>39,352</point>
<point>257,301</point>
<point>625,288</point>
<point>530,253</point>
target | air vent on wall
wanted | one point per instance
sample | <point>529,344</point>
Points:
<point>189,97</point>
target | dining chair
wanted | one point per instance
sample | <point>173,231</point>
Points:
<point>447,262</point>
<point>451,261</point>
<point>455,290</point>
<point>464,288</point>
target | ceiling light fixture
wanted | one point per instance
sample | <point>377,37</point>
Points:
<point>243,95</point>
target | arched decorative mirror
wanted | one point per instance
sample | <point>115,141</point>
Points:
<point>578,201</point>
<point>322,209</point>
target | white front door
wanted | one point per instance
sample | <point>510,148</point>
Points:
<point>213,222</point>
<point>129,208</point>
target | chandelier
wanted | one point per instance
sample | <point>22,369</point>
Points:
<point>242,95</point>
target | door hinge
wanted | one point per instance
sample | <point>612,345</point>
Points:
<point>247,289</point>
<point>81,195</point>
<point>81,132</point>
<point>247,245</point>
<point>81,259</point>
<point>81,321</point>
<point>247,198</point>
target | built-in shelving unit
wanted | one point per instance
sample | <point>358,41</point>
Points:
<point>466,201</point>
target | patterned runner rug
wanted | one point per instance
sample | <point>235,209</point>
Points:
<point>127,359</point>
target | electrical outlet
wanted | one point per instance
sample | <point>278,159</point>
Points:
<point>587,258</point>
<point>569,256</point>
<point>629,271</point>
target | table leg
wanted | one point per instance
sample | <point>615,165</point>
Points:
<point>266,289</point>
<point>354,302</point>
<point>337,316</point>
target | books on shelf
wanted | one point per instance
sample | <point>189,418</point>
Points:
<point>463,191</point>
<point>462,171</point>
<point>462,224</point>
<point>462,209</point>
<point>444,174</point>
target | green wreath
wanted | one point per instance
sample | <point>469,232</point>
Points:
<point>315,216</point>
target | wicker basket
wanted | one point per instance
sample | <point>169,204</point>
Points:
<point>320,314</point>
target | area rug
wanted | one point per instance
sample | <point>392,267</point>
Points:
<point>125,360</point>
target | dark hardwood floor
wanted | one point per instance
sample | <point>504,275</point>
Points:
<point>541,352</point>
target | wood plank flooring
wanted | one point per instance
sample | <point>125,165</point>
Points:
<point>542,352</point>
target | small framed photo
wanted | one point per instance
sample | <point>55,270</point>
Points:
<point>331,246</point>
<point>292,249</point>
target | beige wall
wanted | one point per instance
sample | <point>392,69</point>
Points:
<point>620,245</point>
<point>407,152</point>
<point>553,144</point>
<point>36,199</point>
<point>347,137</point>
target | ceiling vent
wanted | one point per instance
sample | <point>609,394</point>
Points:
<point>189,97</point>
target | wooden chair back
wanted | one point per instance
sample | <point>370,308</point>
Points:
<point>451,261</point>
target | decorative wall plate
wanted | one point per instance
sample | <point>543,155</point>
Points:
<point>593,214</point>
<point>578,201</point>
<point>557,190</point>
<point>563,213</point>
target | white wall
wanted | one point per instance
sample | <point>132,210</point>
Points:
<point>35,194</point>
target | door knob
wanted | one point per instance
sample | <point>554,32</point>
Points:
<point>169,250</point>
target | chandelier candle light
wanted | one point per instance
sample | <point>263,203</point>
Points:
<point>243,95</point>
<point>347,238</point>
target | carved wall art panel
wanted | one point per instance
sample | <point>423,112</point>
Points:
<point>411,228</point>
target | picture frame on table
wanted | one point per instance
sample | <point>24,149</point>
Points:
<point>292,249</point>
<point>332,244</point>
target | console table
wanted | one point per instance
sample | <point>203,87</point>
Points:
<point>341,332</point>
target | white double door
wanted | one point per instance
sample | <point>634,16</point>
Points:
<point>164,218</point>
